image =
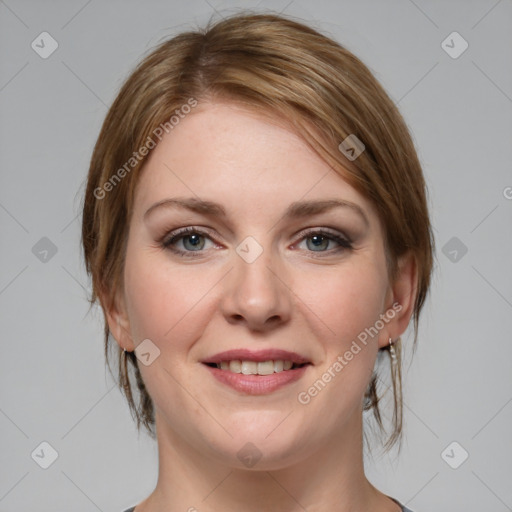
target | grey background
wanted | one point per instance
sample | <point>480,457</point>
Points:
<point>54,385</point>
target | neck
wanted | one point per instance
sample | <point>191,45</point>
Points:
<point>330,478</point>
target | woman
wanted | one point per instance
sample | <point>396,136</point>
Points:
<point>256,229</point>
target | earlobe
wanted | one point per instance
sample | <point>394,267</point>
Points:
<point>401,299</point>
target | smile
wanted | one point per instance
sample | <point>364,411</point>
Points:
<point>257,368</point>
<point>246,378</point>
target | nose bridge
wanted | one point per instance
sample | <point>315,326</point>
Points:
<point>257,292</point>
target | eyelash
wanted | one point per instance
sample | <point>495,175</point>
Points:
<point>168,242</point>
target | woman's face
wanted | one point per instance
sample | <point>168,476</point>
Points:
<point>258,272</point>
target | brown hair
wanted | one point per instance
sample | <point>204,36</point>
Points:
<point>289,71</point>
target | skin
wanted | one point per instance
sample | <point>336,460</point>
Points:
<point>297,296</point>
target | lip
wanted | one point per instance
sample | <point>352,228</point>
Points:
<point>257,384</point>
<point>257,356</point>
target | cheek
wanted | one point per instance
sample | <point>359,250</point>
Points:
<point>344,301</point>
<point>341,306</point>
<point>164,304</point>
<point>351,306</point>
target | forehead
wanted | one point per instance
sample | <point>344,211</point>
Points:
<point>233,154</point>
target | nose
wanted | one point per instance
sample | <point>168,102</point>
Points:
<point>257,294</point>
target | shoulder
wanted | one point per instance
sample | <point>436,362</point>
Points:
<point>404,508</point>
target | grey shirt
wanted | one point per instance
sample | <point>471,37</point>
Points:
<point>404,509</point>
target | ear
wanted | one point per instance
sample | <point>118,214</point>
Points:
<point>118,321</point>
<point>400,299</point>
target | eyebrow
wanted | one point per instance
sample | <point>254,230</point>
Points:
<point>298,209</point>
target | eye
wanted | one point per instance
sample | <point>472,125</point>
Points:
<point>193,240</point>
<point>320,240</point>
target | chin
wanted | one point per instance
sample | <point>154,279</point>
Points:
<point>259,447</point>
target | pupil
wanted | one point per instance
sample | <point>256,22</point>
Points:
<point>194,240</point>
<point>318,240</point>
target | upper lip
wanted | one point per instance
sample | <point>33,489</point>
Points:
<point>273,354</point>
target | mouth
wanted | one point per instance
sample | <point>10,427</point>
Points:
<point>257,373</point>
<point>257,367</point>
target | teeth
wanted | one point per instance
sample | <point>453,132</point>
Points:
<point>266,368</point>
<point>235,366</point>
<point>255,368</point>
<point>249,367</point>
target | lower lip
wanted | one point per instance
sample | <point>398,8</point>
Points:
<point>257,384</point>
